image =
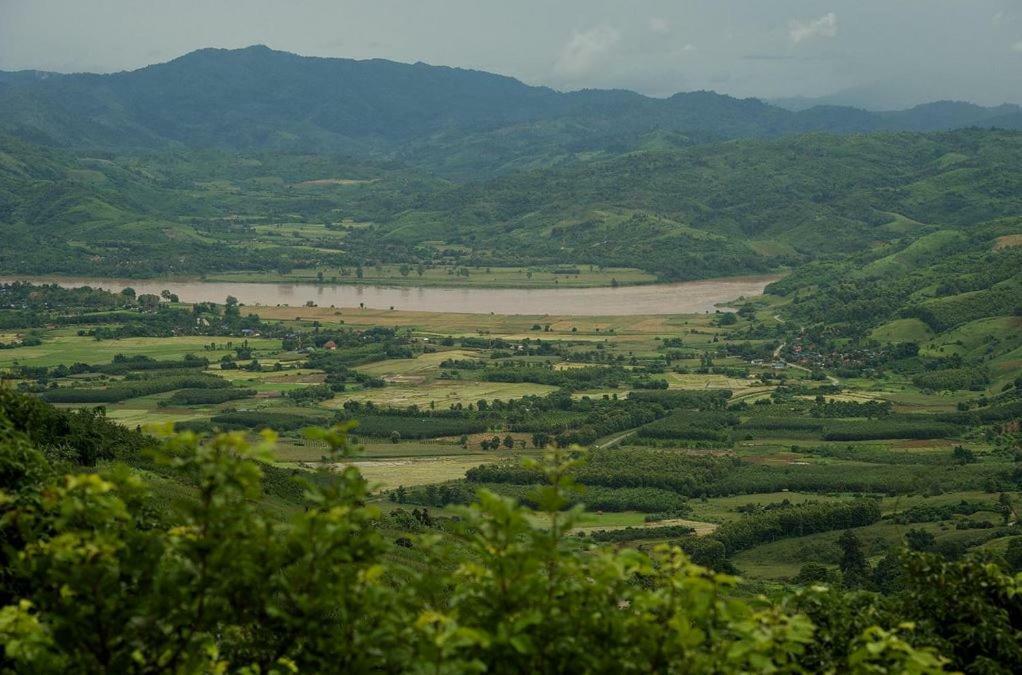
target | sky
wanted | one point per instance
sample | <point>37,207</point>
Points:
<point>881,53</point>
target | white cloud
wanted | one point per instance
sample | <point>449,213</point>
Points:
<point>584,50</point>
<point>825,26</point>
<point>659,25</point>
<point>689,47</point>
<point>1017,47</point>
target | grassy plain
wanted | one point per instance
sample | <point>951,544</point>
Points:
<point>60,347</point>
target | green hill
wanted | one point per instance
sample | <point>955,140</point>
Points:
<point>460,122</point>
<point>733,207</point>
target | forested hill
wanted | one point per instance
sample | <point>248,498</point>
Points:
<point>455,121</point>
<point>710,210</point>
<point>730,207</point>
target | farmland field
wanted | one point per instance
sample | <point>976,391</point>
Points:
<point>698,424</point>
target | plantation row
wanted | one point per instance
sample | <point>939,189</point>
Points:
<point>929,513</point>
<point>944,313</point>
<point>952,379</point>
<point>688,399</point>
<point>795,521</point>
<point>258,419</point>
<point>416,427</point>
<point>127,389</point>
<point>638,533</point>
<point>593,497</point>
<point>566,378</point>
<point>687,425</point>
<point>720,476</point>
<point>709,426</point>
<point>876,455</point>
<point>207,396</point>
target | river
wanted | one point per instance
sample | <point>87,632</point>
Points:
<point>690,297</point>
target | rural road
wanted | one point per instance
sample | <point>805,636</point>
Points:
<point>615,440</point>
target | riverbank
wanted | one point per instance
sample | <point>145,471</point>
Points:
<point>553,276</point>
<point>692,297</point>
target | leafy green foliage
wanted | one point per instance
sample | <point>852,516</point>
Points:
<point>416,426</point>
<point>97,584</point>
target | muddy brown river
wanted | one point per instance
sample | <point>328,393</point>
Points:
<point>690,297</point>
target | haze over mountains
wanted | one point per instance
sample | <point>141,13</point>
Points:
<point>460,123</point>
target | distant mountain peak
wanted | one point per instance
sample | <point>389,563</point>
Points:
<point>256,97</point>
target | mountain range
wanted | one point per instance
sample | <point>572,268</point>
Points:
<point>458,123</point>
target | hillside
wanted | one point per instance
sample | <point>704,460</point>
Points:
<point>730,207</point>
<point>710,210</point>
<point>187,212</point>
<point>459,122</point>
<point>957,295</point>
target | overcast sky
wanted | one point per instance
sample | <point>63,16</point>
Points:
<point>908,49</point>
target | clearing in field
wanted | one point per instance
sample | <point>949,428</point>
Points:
<point>1007,241</point>
<point>387,474</point>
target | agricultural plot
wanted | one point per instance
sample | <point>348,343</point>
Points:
<point>696,435</point>
<point>69,349</point>
<point>388,474</point>
<point>443,393</point>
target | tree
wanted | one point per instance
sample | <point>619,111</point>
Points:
<point>813,573</point>
<point>395,437</point>
<point>727,319</point>
<point>963,455</point>
<point>148,302</point>
<point>231,307</point>
<point>509,442</point>
<point>1006,507</point>
<point>920,540</point>
<point>854,566</point>
<point>128,292</point>
<point>1013,554</point>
